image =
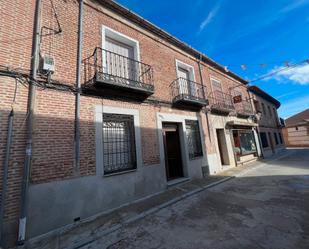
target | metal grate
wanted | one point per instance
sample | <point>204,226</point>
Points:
<point>119,152</point>
<point>121,70</point>
<point>187,89</point>
<point>194,139</point>
<point>221,101</point>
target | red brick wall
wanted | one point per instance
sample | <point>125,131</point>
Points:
<point>53,148</point>
<point>15,53</point>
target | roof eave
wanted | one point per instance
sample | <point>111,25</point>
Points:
<point>132,16</point>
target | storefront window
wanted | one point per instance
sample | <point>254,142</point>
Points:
<point>244,142</point>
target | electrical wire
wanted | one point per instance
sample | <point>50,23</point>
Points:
<point>280,70</point>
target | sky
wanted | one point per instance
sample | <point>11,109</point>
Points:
<point>252,38</point>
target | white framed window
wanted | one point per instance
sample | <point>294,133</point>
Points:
<point>186,78</point>
<point>120,54</point>
<point>119,150</point>
<point>118,140</point>
<point>215,84</point>
<point>217,91</point>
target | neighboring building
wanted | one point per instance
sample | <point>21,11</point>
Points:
<point>296,130</point>
<point>154,112</point>
<point>269,123</point>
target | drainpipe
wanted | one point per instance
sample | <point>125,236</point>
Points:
<point>30,109</point>
<point>201,77</point>
<point>251,99</point>
<point>78,87</point>
<point>5,169</point>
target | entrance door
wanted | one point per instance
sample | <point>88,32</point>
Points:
<point>184,76</point>
<point>173,162</point>
<point>222,147</point>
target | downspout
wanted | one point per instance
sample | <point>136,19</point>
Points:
<point>5,169</point>
<point>202,82</point>
<point>256,128</point>
<point>30,109</point>
<point>78,87</point>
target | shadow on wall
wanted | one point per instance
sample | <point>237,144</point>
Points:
<point>53,154</point>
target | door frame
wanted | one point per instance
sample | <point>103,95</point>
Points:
<point>164,129</point>
<point>188,171</point>
<point>226,146</point>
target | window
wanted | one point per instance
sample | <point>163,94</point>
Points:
<point>120,55</point>
<point>217,90</point>
<point>119,152</point>
<point>276,138</point>
<point>244,142</point>
<point>257,106</point>
<point>185,73</point>
<point>269,111</point>
<point>194,139</point>
<point>280,138</point>
<point>263,108</point>
<point>264,139</point>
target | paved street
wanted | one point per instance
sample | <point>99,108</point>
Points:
<point>268,207</point>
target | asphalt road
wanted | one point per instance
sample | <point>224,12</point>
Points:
<point>268,207</point>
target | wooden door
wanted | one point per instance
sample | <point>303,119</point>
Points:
<point>173,160</point>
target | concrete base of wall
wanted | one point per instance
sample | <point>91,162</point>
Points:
<point>9,236</point>
<point>56,204</point>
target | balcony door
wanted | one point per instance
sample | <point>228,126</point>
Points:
<point>119,59</point>
<point>217,90</point>
<point>185,85</point>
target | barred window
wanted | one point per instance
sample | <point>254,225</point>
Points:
<point>119,152</point>
<point>264,139</point>
<point>194,139</point>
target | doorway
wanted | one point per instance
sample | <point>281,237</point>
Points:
<point>172,149</point>
<point>222,147</point>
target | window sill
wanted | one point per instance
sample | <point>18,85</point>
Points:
<point>120,173</point>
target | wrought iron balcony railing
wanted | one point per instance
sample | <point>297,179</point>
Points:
<point>244,108</point>
<point>187,91</point>
<point>221,102</point>
<point>114,70</point>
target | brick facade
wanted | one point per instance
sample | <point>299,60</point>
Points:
<point>53,135</point>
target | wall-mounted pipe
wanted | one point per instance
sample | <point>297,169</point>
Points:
<point>5,169</point>
<point>78,87</point>
<point>30,113</point>
<point>202,82</point>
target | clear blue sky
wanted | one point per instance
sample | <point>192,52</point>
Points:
<point>242,32</point>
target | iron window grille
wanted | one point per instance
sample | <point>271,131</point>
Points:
<point>194,139</point>
<point>119,150</point>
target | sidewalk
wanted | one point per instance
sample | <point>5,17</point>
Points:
<point>86,231</point>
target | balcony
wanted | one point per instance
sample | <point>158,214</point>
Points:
<point>187,92</point>
<point>221,102</point>
<point>244,109</point>
<point>113,71</point>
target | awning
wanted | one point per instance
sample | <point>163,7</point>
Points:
<point>239,124</point>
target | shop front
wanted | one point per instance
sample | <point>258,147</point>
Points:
<point>244,142</point>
